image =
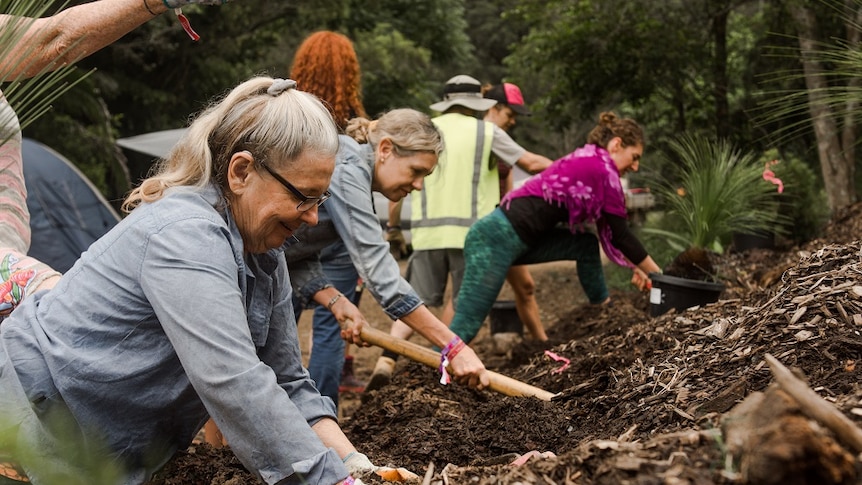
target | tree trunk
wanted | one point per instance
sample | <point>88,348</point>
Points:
<point>854,36</point>
<point>837,169</point>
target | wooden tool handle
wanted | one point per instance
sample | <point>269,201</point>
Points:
<point>499,383</point>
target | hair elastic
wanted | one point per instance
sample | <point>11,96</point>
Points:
<point>280,85</point>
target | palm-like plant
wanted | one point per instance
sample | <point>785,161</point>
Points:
<point>716,190</point>
<point>29,96</point>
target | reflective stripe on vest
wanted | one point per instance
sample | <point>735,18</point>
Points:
<point>462,189</point>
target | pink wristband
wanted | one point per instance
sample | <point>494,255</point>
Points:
<point>446,355</point>
<point>455,350</point>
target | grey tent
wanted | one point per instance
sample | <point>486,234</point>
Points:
<point>156,144</point>
<point>67,212</point>
<point>142,150</point>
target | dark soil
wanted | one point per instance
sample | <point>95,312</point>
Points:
<point>643,400</point>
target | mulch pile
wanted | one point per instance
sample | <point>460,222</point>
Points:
<point>643,399</point>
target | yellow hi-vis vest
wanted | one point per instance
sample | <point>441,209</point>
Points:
<point>463,188</point>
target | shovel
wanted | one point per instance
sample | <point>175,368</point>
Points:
<point>499,383</point>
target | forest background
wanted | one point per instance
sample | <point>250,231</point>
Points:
<point>777,77</point>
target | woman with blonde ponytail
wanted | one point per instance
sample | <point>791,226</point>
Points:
<point>391,155</point>
<point>183,311</point>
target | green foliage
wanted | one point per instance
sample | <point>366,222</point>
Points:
<point>714,191</point>
<point>408,50</point>
<point>81,461</point>
<point>656,61</point>
<point>601,53</point>
<point>493,33</point>
<point>436,25</point>
<point>394,71</point>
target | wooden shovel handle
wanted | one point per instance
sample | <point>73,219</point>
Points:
<point>499,383</point>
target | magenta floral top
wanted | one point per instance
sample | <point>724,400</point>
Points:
<point>587,183</point>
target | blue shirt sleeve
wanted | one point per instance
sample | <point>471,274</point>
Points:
<point>352,210</point>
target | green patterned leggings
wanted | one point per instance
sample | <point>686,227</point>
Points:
<point>492,246</point>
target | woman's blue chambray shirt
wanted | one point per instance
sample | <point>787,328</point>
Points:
<point>162,322</point>
<point>349,216</point>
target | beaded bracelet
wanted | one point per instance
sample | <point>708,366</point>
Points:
<point>446,355</point>
<point>332,301</point>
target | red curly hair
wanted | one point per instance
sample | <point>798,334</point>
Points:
<point>325,65</point>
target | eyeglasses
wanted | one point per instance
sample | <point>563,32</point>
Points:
<point>306,203</point>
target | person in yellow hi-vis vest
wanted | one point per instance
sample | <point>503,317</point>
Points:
<point>463,189</point>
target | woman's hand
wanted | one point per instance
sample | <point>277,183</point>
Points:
<point>469,370</point>
<point>344,310</point>
<point>641,280</point>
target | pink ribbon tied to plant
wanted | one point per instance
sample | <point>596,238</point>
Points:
<point>769,176</point>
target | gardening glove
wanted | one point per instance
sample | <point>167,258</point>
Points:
<point>358,464</point>
<point>397,243</point>
<point>183,3</point>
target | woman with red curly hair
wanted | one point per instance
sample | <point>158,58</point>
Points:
<point>326,65</point>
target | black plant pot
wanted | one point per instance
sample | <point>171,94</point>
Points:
<point>504,318</point>
<point>680,293</point>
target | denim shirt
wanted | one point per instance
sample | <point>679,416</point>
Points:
<point>349,216</point>
<point>163,322</point>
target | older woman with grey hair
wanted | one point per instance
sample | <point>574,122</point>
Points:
<point>183,311</point>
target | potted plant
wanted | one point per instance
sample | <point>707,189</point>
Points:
<point>708,190</point>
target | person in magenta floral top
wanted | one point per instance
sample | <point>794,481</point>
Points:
<point>579,190</point>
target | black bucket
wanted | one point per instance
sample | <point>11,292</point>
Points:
<point>504,318</point>
<point>680,293</point>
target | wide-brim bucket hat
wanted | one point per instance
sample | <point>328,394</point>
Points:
<point>463,90</point>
